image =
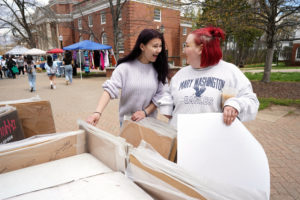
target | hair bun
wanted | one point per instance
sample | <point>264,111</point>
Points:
<point>217,32</point>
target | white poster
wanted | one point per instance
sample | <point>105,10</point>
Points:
<point>229,155</point>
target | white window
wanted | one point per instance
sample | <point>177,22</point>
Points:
<point>79,24</point>
<point>121,43</point>
<point>184,31</point>
<point>298,54</point>
<point>80,38</point>
<point>183,62</point>
<point>92,38</point>
<point>103,18</point>
<point>104,38</point>
<point>90,19</point>
<point>157,15</point>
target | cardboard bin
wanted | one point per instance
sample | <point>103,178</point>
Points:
<point>35,115</point>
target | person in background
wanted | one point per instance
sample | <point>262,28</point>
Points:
<point>140,75</point>
<point>1,75</point>
<point>198,87</point>
<point>67,62</point>
<point>20,65</point>
<point>51,69</point>
<point>10,63</point>
<point>30,69</point>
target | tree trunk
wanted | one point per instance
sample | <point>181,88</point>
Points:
<point>268,65</point>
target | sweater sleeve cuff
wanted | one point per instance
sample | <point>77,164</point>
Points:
<point>166,109</point>
<point>234,104</point>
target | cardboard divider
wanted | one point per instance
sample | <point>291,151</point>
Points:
<point>52,148</point>
<point>110,149</point>
<point>167,179</point>
<point>158,134</point>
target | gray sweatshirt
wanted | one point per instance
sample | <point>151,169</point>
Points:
<point>200,91</point>
<point>139,85</point>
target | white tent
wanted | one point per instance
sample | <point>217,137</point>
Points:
<point>17,50</point>
<point>35,51</point>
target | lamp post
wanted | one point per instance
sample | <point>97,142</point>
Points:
<point>162,30</point>
<point>60,38</point>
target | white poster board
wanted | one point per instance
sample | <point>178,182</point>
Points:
<point>229,155</point>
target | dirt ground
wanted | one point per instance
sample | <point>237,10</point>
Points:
<point>281,90</point>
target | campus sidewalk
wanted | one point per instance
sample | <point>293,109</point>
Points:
<point>276,128</point>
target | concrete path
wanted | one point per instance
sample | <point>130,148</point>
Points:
<point>276,128</point>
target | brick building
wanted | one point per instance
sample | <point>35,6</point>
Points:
<point>70,21</point>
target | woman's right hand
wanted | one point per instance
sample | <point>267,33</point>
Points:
<point>93,119</point>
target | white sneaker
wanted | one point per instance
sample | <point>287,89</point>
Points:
<point>54,87</point>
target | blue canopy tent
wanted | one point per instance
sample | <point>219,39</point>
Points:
<point>86,45</point>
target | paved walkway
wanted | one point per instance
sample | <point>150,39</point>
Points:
<point>276,128</point>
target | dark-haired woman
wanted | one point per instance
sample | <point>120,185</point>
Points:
<point>51,69</point>
<point>30,69</point>
<point>140,75</point>
<point>67,62</point>
<point>198,87</point>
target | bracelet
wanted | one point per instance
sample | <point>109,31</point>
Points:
<point>99,113</point>
<point>145,112</point>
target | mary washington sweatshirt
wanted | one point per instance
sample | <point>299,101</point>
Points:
<point>200,91</point>
<point>138,84</point>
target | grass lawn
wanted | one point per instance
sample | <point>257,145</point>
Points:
<point>275,76</point>
<point>281,65</point>
<point>266,102</point>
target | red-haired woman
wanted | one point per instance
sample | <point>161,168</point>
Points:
<point>198,87</point>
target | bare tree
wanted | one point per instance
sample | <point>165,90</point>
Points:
<point>271,17</point>
<point>14,16</point>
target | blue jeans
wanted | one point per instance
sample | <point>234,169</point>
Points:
<point>68,72</point>
<point>31,79</point>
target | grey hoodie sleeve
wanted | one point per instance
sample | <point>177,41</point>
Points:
<point>159,94</point>
<point>245,101</point>
<point>166,103</point>
<point>114,84</point>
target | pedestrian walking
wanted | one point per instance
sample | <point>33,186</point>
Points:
<point>67,62</point>
<point>20,65</point>
<point>31,72</point>
<point>10,63</point>
<point>140,75</point>
<point>198,88</point>
<point>51,69</point>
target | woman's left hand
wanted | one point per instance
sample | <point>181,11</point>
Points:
<point>138,115</point>
<point>229,114</point>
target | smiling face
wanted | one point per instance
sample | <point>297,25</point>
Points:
<point>150,51</point>
<point>193,51</point>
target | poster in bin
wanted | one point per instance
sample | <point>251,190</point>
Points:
<point>10,125</point>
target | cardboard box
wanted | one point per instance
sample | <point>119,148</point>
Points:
<point>35,116</point>
<point>55,166</point>
<point>160,135</point>
<point>76,177</point>
<point>10,125</point>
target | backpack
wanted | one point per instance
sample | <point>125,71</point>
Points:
<point>29,69</point>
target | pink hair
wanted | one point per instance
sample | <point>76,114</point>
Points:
<point>209,37</point>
